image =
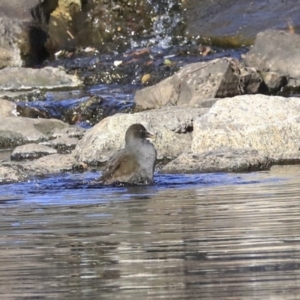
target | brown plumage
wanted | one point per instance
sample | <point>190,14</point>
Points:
<point>135,163</point>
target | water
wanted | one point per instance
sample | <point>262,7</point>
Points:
<point>203,236</point>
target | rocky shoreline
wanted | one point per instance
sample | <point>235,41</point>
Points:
<point>213,115</point>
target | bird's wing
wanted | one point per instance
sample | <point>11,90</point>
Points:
<point>120,165</point>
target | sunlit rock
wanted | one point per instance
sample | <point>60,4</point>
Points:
<point>31,151</point>
<point>271,125</point>
<point>172,127</point>
<point>223,159</point>
<point>200,83</point>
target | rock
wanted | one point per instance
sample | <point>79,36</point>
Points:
<point>15,9</point>
<point>238,19</point>
<point>71,131</point>
<point>172,127</point>
<point>15,131</point>
<point>270,125</point>
<point>276,51</point>
<point>21,39</point>
<point>63,145</point>
<point>47,165</point>
<point>10,40</point>
<point>223,159</point>
<point>7,108</point>
<point>12,173</point>
<point>31,151</point>
<point>27,78</point>
<point>274,81</point>
<point>198,83</point>
<point>86,111</point>
<point>50,164</point>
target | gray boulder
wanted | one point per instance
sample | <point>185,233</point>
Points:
<point>63,145</point>
<point>50,164</point>
<point>199,84</point>
<point>31,151</point>
<point>172,127</point>
<point>27,78</point>
<point>270,125</point>
<point>12,173</point>
<point>15,131</point>
<point>223,159</point>
<point>276,51</point>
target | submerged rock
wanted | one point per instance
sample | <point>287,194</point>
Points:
<point>223,159</point>
<point>172,127</point>
<point>271,125</point>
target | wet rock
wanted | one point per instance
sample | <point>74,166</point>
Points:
<point>86,111</point>
<point>31,151</point>
<point>240,19</point>
<point>172,127</point>
<point>66,139</point>
<point>276,51</point>
<point>15,131</point>
<point>62,144</point>
<point>71,131</point>
<point>271,125</point>
<point>199,83</point>
<point>7,108</point>
<point>12,173</point>
<point>50,164</point>
<point>27,78</point>
<point>223,159</point>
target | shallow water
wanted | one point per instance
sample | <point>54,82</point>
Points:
<point>207,236</point>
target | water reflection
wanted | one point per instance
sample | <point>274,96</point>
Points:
<point>206,236</point>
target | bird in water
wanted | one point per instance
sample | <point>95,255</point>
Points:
<point>134,164</point>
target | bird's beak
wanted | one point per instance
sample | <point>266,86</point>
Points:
<point>150,136</point>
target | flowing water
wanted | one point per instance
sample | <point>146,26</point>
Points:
<point>202,236</point>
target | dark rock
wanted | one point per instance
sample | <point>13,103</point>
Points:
<point>31,151</point>
<point>223,159</point>
<point>86,111</point>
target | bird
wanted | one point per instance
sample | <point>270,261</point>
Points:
<point>135,163</point>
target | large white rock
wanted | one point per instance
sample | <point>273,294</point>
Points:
<point>171,125</point>
<point>268,124</point>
